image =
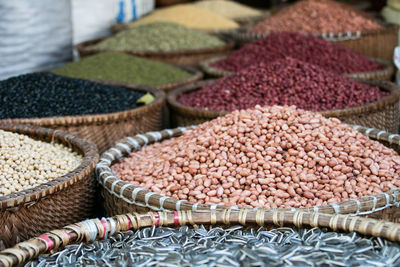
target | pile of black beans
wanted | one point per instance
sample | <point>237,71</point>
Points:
<point>40,95</point>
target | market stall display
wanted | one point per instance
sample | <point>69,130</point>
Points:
<point>98,112</point>
<point>163,41</point>
<point>47,181</point>
<point>329,56</point>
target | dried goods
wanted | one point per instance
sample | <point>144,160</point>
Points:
<point>266,157</point>
<point>233,246</point>
<point>158,36</point>
<point>190,16</point>
<point>119,67</point>
<point>329,56</point>
<point>26,163</point>
<point>47,94</point>
<point>316,17</point>
<point>229,9</point>
<point>283,82</point>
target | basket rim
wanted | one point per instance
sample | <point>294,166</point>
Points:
<point>207,68</point>
<point>159,98</point>
<point>100,229</point>
<point>142,197</point>
<point>83,50</point>
<point>30,196</point>
<point>241,33</point>
<point>392,98</point>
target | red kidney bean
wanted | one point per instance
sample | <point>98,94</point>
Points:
<point>283,82</point>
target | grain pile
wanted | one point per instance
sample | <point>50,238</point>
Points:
<point>283,82</point>
<point>266,157</point>
<point>189,16</point>
<point>26,163</point>
<point>119,67</point>
<point>228,9</point>
<point>158,36</point>
<point>329,56</point>
<point>317,16</point>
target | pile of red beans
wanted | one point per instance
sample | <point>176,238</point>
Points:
<point>329,56</point>
<point>317,16</point>
<point>266,157</point>
<point>283,82</point>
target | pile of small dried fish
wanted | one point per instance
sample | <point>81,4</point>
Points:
<point>234,246</point>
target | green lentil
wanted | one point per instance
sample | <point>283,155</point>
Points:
<point>119,67</point>
<point>158,36</point>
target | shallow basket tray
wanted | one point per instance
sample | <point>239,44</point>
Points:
<point>122,197</point>
<point>384,74</point>
<point>372,43</point>
<point>382,114</point>
<point>95,229</point>
<point>179,57</point>
<point>64,200</point>
<point>105,129</point>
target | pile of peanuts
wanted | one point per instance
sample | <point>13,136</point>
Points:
<point>26,163</point>
<point>266,157</point>
<point>317,16</point>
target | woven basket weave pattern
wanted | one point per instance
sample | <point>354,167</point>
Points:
<point>65,200</point>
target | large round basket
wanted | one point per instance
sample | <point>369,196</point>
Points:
<point>179,57</point>
<point>105,129</point>
<point>95,229</point>
<point>382,114</point>
<point>372,43</point>
<point>65,200</point>
<point>384,74</point>
<point>122,197</point>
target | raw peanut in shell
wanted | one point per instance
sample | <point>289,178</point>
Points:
<point>266,157</point>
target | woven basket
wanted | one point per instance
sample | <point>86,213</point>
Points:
<point>67,199</point>
<point>372,43</point>
<point>79,233</point>
<point>180,57</point>
<point>122,197</point>
<point>385,74</point>
<point>382,114</point>
<point>105,129</point>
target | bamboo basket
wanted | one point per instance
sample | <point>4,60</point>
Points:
<point>382,114</point>
<point>373,43</point>
<point>80,233</point>
<point>121,197</point>
<point>384,74</point>
<point>179,57</point>
<point>67,199</point>
<point>105,129</point>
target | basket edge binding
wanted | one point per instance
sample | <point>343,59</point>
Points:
<point>90,230</point>
<point>90,158</point>
<point>146,199</point>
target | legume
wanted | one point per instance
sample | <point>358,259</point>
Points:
<point>46,95</point>
<point>158,36</point>
<point>329,56</point>
<point>119,67</point>
<point>26,163</point>
<point>189,16</point>
<point>265,157</point>
<point>230,247</point>
<point>283,82</point>
<point>228,9</point>
<point>317,16</point>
